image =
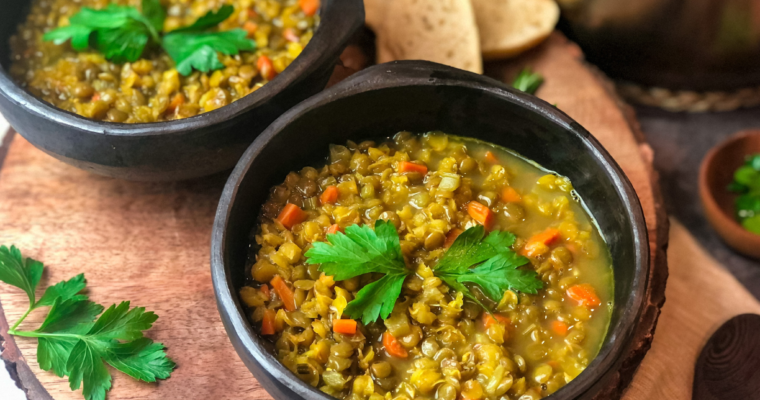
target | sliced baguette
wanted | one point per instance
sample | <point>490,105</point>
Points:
<point>442,31</point>
<point>509,27</point>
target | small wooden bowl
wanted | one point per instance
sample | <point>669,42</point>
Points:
<point>715,174</point>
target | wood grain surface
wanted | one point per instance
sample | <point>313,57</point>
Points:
<point>702,295</point>
<point>729,365</point>
<point>149,243</point>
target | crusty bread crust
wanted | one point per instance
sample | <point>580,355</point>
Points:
<point>375,12</point>
<point>443,31</point>
<point>509,27</point>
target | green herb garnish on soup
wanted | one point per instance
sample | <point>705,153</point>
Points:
<point>429,267</point>
<point>146,60</point>
<point>747,184</point>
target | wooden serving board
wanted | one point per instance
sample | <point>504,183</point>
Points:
<point>149,243</point>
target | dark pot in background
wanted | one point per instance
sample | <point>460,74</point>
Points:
<point>422,96</point>
<point>699,45</point>
<point>182,149</point>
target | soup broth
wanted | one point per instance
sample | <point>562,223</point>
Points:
<point>437,343</point>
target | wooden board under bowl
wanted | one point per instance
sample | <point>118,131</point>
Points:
<point>149,243</point>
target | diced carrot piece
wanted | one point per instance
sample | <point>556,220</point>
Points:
<point>177,101</point>
<point>333,229</point>
<point>291,215</point>
<point>265,66</point>
<point>510,195</point>
<point>406,166</point>
<point>584,294</point>
<point>290,35</point>
<point>265,289</point>
<point>250,27</point>
<point>96,97</point>
<point>540,242</point>
<point>480,213</point>
<point>393,347</point>
<point>330,195</point>
<point>267,324</point>
<point>451,237</point>
<point>284,292</point>
<point>252,13</point>
<point>344,326</point>
<point>559,328</point>
<point>309,7</point>
<point>489,320</point>
<point>491,158</point>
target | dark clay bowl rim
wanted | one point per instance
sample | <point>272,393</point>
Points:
<point>725,221</point>
<point>336,26</point>
<point>234,318</point>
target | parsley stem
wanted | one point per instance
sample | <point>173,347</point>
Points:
<point>35,334</point>
<point>28,310</point>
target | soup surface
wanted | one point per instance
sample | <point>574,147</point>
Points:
<point>438,342</point>
<point>151,89</point>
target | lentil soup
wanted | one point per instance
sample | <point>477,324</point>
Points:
<point>151,89</point>
<point>436,343</point>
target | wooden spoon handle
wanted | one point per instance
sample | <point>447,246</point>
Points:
<point>729,365</point>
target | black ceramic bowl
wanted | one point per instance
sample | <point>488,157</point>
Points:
<point>173,150</point>
<point>421,96</point>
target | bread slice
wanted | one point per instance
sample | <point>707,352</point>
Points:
<point>509,27</point>
<point>442,31</point>
<point>375,12</point>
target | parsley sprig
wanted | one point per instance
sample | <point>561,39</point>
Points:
<point>528,81</point>
<point>362,250</point>
<point>122,33</point>
<point>74,341</point>
<point>496,265</point>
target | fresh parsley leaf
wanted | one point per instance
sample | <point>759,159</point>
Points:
<point>66,318</point>
<point>70,316</point>
<point>360,251</point>
<point>121,32</point>
<point>154,13</point>
<point>112,16</point>
<point>17,271</point>
<point>737,187</point>
<point>528,81</point>
<point>99,344</point>
<point>64,290</point>
<point>499,274</point>
<point>78,34</point>
<point>121,323</point>
<point>376,300</point>
<point>141,359</point>
<point>86,365</point>
<point>124,44</point>
<point>470,248</point>
<point>199,50</point>
<point>72,342</point>
<point>752,224</point>
<point>501,241</point>
<point>498,271</point>
<point>210,20</point>
<point>53,354</point>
